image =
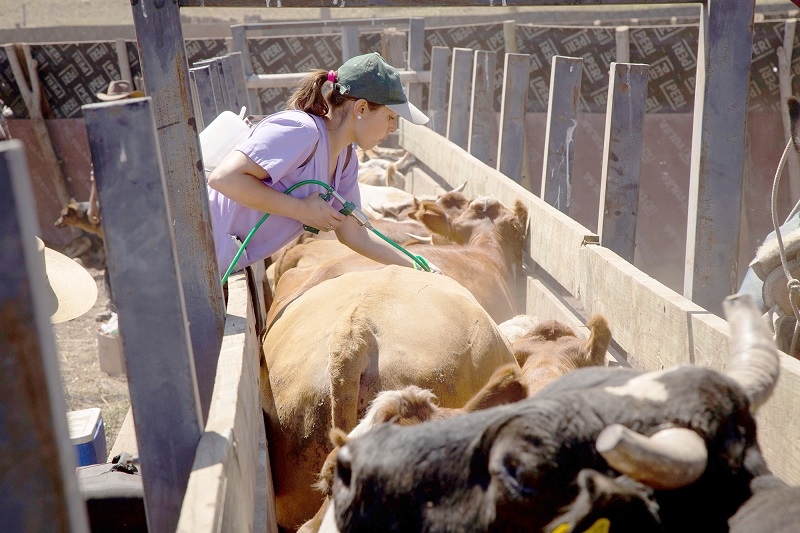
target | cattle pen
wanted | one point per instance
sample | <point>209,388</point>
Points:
<point>193,362</point>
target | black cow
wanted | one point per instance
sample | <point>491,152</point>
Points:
<point>596,450</point>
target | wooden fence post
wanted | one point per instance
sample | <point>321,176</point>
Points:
<point>142,261</point>
<point>239,82</point>
<point>350,45</point>
<point>239,39</point>
<point>622,156</point>
<point>511,143</point>
<point>482,120</point>
<point>217,82</point>
<point>167,76</point>
<point>562,120</point>
<point>623,43</point>
<point>458,109</point>
<point>38,486</point>
<point>416,58</point>
<point>438,91</point>
<point>226,64</point>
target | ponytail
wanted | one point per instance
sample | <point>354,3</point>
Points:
<point>314,97</point>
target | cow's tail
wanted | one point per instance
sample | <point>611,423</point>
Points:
<point>351,343</point>
<point>599,339</point>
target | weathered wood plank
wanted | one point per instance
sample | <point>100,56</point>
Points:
<point>205,95</point>
<point>217,85</point>
<point>460,94</point>
<point>38,487</point>
<point>143,267</point>
<point>220,495</point>
<point>482,118</point>
<point>164,68</point>
<point>226,67</point>
<point>438,89</point>
<point>239,82</point>
<point>511,143</point>
<point>562,121</point>
<point>416,58</point>
<point>622,157</point>
<point>350,46</point>
<point>241,46</point>
<point>718,146</point>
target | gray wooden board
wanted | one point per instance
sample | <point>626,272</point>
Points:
<point>438,89</point>
<point>655,326</point>
<point>460,95</point>
<point>725,50</point>
<point>38,459</point>
<point>562,121</point>
<point>164,67</point>
<point>482,117</point>
<point>230,84</point>
<point>205,94</point>
<point>240,82</point>
<point>622,157</point>
<point>415,3</point>
<point>416,57</point>
<point>350,46</point>
<point>216,83</point>
<point>142,262</point>
<point>511,142</point>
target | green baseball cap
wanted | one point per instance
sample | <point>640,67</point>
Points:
<point>370,77</point>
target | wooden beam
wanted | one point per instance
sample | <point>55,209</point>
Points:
<point>142,262</point>
<point>412,3</point>
<point>460,93</point>
<point>269,81</point>
<point>163,62</point>
<point>511,142</point>
<point>416,58</point>
<point>482,121</point>
<point>622,158</point>
<point>725,50</point>
<point>205,95</point>
<point>38,487</point>
<point>438,89</point>
<point>350,45</point>
<point>562,122</point>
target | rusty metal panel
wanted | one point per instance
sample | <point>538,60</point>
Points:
<point>38,487</point>
<point>622,156</point>
<point>718,145</point>
<point>562,119</point>
<point>166,75</point>
<point>143,265</point>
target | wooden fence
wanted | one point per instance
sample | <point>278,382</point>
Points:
<point>192,363</point>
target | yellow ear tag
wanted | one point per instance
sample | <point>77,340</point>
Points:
<point>602,525</point>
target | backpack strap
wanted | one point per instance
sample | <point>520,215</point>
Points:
<point>348,156</point>
<point>304,163</point>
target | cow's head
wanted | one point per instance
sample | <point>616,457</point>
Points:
<point>686,434</point>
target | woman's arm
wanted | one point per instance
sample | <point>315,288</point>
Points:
<point>239,178</point>
<point>361,240</point>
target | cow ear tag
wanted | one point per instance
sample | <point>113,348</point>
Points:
<point>602,525</point>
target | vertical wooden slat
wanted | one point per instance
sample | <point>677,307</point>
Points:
<point>163,61</point>
<point>38,487</point>
<point>218,84</point>
<point>240,44</point>
<point>350,46</point>
<point>121,47</point>
<point>562,121</point>
<point>205,95</point>
<point>416,58</point>
<point>142,261</point>
<point>623,44</point>
<point>510,36</point>
<point>725,50</point>
<point>438,90</point>
<point>230,84</point>
<point>511,142</point>
<point>482,121</point>
<point>622,156</point>
<point>239,81</point>
<point>460,94</point>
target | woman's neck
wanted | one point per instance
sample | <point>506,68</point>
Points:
<point>340,134</point>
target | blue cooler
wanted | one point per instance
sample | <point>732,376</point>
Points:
<point>88,436</point>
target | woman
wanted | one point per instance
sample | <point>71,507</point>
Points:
<point>360,103</point>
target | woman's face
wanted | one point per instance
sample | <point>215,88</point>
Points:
<point>374,126</point>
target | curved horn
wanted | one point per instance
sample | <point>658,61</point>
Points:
<point>754,362</point>
<point>420,238</point>
<point>672,458</point>
<point>461,187</point>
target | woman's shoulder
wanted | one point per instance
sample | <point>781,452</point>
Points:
<point>291,117</point>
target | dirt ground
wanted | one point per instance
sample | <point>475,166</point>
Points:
<point>85,385</point>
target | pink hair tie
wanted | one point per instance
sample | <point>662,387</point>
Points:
<point>331,76</point>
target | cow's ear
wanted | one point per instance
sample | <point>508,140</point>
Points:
<point>434,218</point>
<point>521,210</point>
<point>338,437</point>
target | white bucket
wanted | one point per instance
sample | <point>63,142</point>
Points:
<point>220,137</point>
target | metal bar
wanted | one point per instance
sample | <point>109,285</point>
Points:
<point>220,98</point>
<point>337,4</point>
<point>142,261</point>
<point>38,487</point>
<point>438,89</point>
<point>239,81</point>
<point>482,120</point>
<point>460,94</point>
<point>240,44</point>
<point>350,47</point>
<point>562,120</point>
<point>164,67</point>
<point>511,143</point>
<point>622,157</point>
<point>205,95</point>
<point>416,58</point>
<point>226,64</point>
<point>725,50</point>
<point>269,81</point>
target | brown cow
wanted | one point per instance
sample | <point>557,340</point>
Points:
<point>485,257</point>
<point>75,214</point>
<point>340,343</point>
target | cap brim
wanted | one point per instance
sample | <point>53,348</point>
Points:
<point>72,291</point>
<point>410,112</point>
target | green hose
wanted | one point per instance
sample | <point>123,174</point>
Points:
<point>348,208</point>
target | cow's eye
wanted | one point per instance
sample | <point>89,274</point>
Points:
<point>523,477</point>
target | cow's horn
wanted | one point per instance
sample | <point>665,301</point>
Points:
<point>461,187</point>
<point>420,238</point>
<point>670,459</point>
<point>754,362</point>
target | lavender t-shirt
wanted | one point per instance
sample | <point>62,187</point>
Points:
<point>280,143</point>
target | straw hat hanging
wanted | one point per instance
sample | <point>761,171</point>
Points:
<point>71,290</point>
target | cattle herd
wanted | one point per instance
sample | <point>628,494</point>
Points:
<point>400,400</point>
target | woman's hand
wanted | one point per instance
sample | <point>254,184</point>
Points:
<point>317,213</point>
